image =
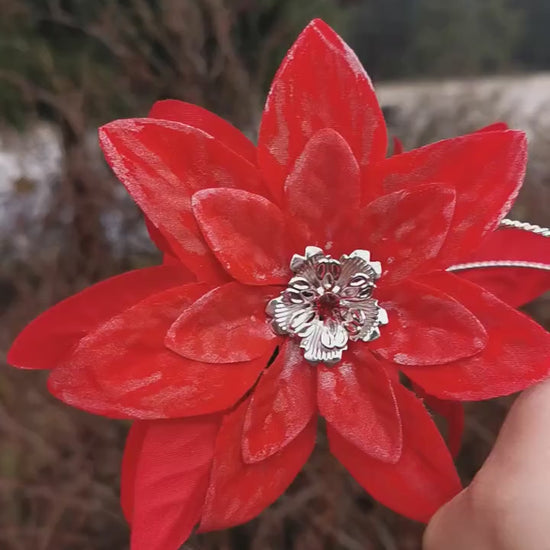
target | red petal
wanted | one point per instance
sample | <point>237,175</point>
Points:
<point>123,369</point>
<point>357,399</point>
<point>217,127</point>
<point>397,146</point>
<point>227,325</point>
<point>130,459</point>
<point>171,481</point>
<point>239,491</point>
<point>320,84</point>
<point>452,412</point>
<point>52,336</point>
<point>405,230</point>
<point>486,170</point>
<point>323,192</point>
<point>517,354</point>
<point>246,232</point>
<point>515,286</point>
<point>281,406</point>
<point>495,127</point>
<point>426,326</point>
<point>159,241</point>
<point>421,481</point>
<point>162,164</point>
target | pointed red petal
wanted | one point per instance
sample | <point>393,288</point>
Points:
<point>517,354</point>
<point>159,241</point>
<point>227,325</point>
<point>397,146</point>
<point>217,127</point>
<point>239,491</point>
<point>171,481</point>
<point>486,169</point>
<point>281,406</point>
<point>130,459</point>
<point>124,369</point>
<point>246,233</point>
<point>452,412</point>
<point>405,230</point>
<point>421,481</point>
<point>515,286</point>
<point>357,399</point>
<point>162,163</point>
<point>323,192</point>
<point>320,84</point>
<point>52,336</point>
<point>495,127</point>
<point>426,326</point>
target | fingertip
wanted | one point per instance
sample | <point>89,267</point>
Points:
<point>506,504</point>
<point>446,530</point>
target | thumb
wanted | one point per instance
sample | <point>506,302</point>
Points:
<point>507,504</point>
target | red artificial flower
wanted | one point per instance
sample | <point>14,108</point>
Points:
<point>301,277</point>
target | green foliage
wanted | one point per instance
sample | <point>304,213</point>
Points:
<point>381,32</point>
<point>534,48</point>
<point>267,28</point>
<point>47,58</point>
<point>86,62</point>
<point>466,37</point>
<point>411,38</point>
<point>82,62</point>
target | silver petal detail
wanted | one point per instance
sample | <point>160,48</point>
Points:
<point>329,302</point>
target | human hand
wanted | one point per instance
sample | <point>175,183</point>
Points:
<point>507,506</point>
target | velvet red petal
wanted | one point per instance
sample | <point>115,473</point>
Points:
<point>320,84</point>
<point>426,326</point>
<point>323,192</point>
<point>227,325</point>
<point>406,229</point>
<point>421,481</point>
<point>494,127</point>
<point>217,127</point>
<point>357,399</point>
<point>128,471</point>
<point>452,412</point>
<point>397,146</point>
<point>515,286</point>
<point>52,336</point>
<point>486,170</point>
<point>239,491</point>
<point>171,481</point>
<point>123,368</point>
<point>162,163</point>
<point>281,406</point>
<point>246,232</point>
<point>517,354</point>
<point>160,242</point>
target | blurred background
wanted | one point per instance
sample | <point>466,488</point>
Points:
<point>441,68</point>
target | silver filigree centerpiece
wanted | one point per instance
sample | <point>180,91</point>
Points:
<point>329,302</point>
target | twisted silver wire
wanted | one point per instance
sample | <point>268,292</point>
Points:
<point>525,226</point>
<point>499,263</point>
<point>508,224</point>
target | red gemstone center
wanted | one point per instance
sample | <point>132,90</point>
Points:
<point>327,305</point>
